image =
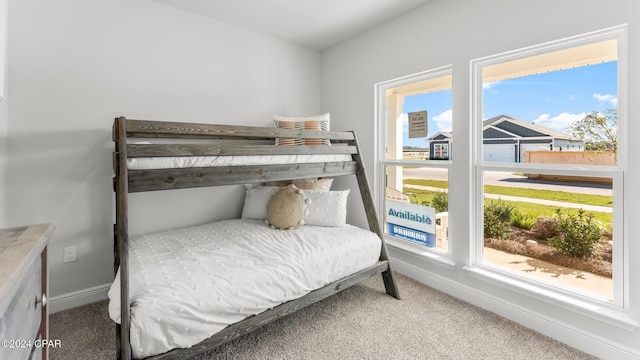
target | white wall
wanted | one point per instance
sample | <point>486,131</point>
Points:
<point>74,65</point>
<point>444,32</point>
<point>3,111</point>
<point>3,163</point>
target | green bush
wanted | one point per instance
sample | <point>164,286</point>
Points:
<point>497,217</point>
<point>578,234</point>
<point>545,228</point>
<point>440,201</point>
<point>523,220</point>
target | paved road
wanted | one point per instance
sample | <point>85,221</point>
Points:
<point>511,180</point>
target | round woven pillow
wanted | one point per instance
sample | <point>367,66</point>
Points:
<point>286,208</point>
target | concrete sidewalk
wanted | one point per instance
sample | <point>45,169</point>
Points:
<point>559,275</point>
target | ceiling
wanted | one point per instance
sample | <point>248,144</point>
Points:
<point>315,24</point>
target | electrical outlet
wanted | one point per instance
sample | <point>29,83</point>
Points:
<point>70,254</point>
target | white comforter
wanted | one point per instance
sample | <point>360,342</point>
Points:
<point>187,284</point>
<point>180,162</point>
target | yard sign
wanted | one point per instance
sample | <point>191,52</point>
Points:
<point>412,222</point>
<point>417,124</point>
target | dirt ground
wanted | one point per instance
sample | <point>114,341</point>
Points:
<point>518,243</point>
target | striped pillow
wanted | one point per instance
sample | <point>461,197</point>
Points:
<point>319,122</point>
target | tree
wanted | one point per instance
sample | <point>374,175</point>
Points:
<point>597,130</point>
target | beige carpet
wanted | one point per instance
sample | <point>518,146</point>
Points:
<point>359,323</point>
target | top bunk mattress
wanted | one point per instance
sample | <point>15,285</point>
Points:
<point>187,284</point>
<point>154,163</point>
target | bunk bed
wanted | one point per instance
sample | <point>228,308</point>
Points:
<point>160,155</point>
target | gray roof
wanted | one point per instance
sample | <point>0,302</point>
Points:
<point>521,128</point>
<point>444,134</point>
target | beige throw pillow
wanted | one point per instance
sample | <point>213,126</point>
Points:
<point>305,184</point>
<point>286,208</point>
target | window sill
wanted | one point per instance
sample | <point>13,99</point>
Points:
<point>406,250</point>
<point>598,310</point>
<point>429,163</point>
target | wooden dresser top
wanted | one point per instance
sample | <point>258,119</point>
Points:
<point>19,247</point>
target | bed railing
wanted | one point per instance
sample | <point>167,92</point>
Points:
<point>166,179</point>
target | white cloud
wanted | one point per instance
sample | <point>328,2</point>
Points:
<point>560,122</point>
<point>602,97</point>
<point>404,117</point>
<point>541,118</point>
<point>606,98</point>
<point>443,120</point>
<point>489,85</point>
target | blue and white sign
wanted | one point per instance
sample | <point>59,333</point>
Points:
<point>412,222</point>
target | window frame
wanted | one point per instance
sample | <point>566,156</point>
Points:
<point>571,298</point>
<point>440,257</point>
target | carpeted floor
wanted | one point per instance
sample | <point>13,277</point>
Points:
<point>359,323</point>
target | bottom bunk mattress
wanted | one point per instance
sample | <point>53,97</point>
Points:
<point>187,284</point>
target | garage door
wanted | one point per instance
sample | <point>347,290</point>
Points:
<point>499,152</point>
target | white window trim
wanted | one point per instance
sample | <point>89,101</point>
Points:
<point>436,256</point>
<point>615,312</point>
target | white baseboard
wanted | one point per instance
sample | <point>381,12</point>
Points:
<point>572,336</point>
<point>78,298</point>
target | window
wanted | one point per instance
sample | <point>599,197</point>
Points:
<point>440,152</point>
<point>412,168</point>
<point>549,157</point>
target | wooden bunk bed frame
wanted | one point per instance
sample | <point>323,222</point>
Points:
<point>130,181</point>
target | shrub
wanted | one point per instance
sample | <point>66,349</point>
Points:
<point>545,228</point>
<point>578,234</point>
<point>440,201</point>
<point>501,209</point>
<point>418,200</point>
<point>497,217</point>
<point>493,227</point>
<point>523,220</point>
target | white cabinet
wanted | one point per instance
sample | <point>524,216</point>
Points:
<point>23,289</point>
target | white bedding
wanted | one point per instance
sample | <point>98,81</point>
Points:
<point>149,163</point>
<point>187,284</point>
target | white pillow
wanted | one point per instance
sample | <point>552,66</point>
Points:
<point>255,201</point>
<point>327,208</point>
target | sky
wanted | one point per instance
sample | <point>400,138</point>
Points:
<point>554,99</point>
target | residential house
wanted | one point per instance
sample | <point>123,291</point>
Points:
<point>440,145</point>
<point>506,139</point>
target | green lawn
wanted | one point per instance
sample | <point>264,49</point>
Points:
<point>587,199</point>
<point>419,196</point>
